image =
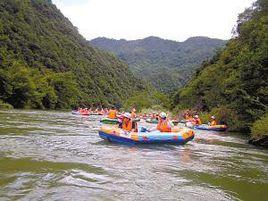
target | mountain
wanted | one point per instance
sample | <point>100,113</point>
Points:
<point>233,84</point>
<point>166,64</point>
<point>46,63</point>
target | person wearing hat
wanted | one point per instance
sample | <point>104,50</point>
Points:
<point>197,120</point>
<point>187,116</point>
<point>133,113</point>
<point>127,123</point>
<point>213,121</point>
<point>164,125</point>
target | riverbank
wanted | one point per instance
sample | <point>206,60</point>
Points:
<point>259,132</point>
<point>261,142</point>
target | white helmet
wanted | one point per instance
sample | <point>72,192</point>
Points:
<point>127,115</point>
<point>213,117</point>
<point>163,115</point>
<point>196,116</point>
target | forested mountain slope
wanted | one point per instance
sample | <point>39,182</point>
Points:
<point>166,64</point>
<point>46,63</point>
<point>234,82</point>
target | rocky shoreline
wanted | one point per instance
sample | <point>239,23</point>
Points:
<point>261,142</point>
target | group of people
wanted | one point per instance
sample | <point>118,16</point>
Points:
<point>128,123</point>
<point>197,121</point>
<point>101,111</point>
<point>127,120</point>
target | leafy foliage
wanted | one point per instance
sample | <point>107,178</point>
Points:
<point>260,127</point>
<point>164,63</point>
<point>144,100</point>
<point>224,115</point>
<point>5,105</point>
<point>46,63</point>
<point>236,78</point>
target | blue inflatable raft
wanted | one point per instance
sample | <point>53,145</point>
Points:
<point>115,134</point>
<point>206,127</point>
<point>211,128</point>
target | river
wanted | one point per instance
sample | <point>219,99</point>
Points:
<point>49,155</point>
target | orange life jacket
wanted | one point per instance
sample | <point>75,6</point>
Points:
<point>112,114</point>
<point>197,121</point>
<point>163,126</point>
<point>127,125</point>
<point>213,123</point>
<point>187,117</point>
<point>158,127</point>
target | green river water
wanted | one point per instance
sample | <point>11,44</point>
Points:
<point>48,155</point>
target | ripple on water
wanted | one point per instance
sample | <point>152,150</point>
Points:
<point>50,155</point>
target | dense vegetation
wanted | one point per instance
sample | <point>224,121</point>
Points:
<point>148,100</point>
<point>260,127</point>
<point>46,63</point>
<point>234,82</point>
<point>166,64</point>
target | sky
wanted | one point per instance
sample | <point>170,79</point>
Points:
<point>169,19</point>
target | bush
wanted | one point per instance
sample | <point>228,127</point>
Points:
<point>260,127</point>
<point>5,105</point>
<point>224,115</point>
<point>153,109</point>
<point>144,100</point>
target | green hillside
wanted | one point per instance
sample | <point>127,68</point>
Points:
<point>166,64</point>
<point>234,82</point>
<point>46,63</point>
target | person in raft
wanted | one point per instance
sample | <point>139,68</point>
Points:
<point>196,120</point>
<point>187,116</point>
<point>164,125</point>
<point>128,124</point>
<point>213,121</point>
<point>133,112</point>
<point>112,114</point>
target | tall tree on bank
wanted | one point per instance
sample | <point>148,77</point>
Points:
<point>236,78</point>
<point>46,63</point>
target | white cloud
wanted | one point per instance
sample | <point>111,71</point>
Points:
<point>170,19</point>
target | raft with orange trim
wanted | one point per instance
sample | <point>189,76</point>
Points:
<point>107,120</point>
<point>115,134</point>
<point>211,128</point>
<point>96,113</point>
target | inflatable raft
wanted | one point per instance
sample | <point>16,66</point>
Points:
<point>76,112</point>
<point>115,134</point>
<point>155,121</point>
<point>95,113</point>
<point>206,127</point>
<point>107,120</point>
<point>152,121</point>
<point>211,128</point>
<point>175,122</point>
